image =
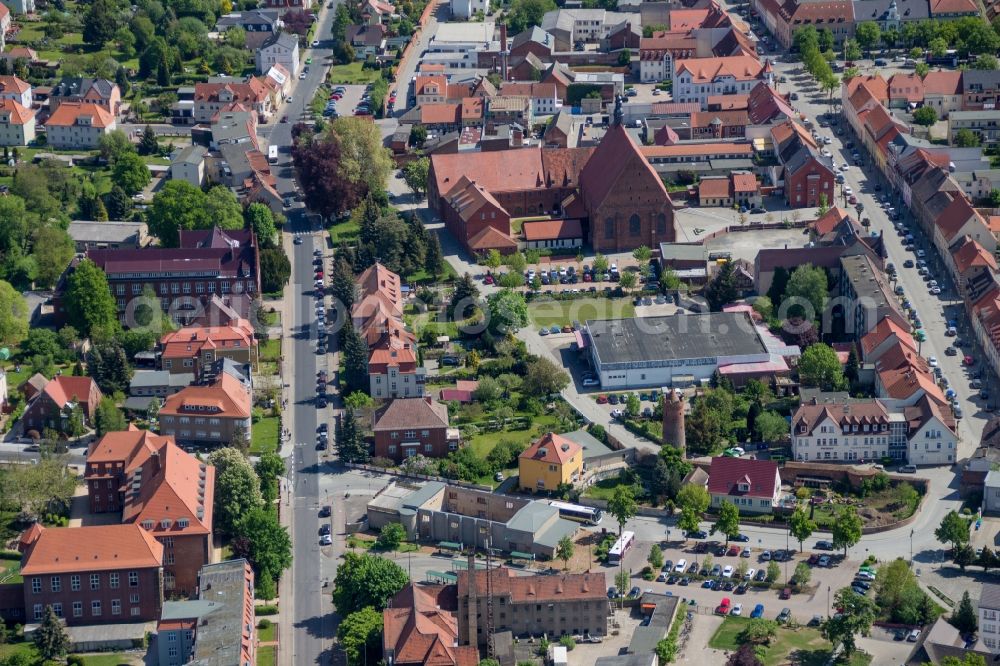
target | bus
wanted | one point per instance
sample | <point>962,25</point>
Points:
<point>583,514</point>
<point>272,154</point>
<point>621,546</point>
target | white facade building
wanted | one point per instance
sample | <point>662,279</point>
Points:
<point>279,49</point>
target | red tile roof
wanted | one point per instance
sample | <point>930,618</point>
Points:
<point>535,589</point>
<point>943,83</point>
<point>706,149</point>
<point>953,218</point>
<point>552,448</point>
<point>743,181</point>
<point>856,412</point>
<point>552,230</point>
<point>92,548</point>
<point>764,104</point>
<point>251,92</point>
<point>440,114</point>
<point>227,398</point>
<point>411,413</point>
<point>939,7</point>
<point>616,156</point>
<point>830,221</point>
<point>906,86</point>
<point>188,342</point>
<point>420,627</point>
<point>491,238</point>
<point>715,188</point>
<point>69,112</point>
<point>706,70</point>
<point>12,84</point>
<point>884,329</point>
<point>730,102</point>
<point>727,474</point>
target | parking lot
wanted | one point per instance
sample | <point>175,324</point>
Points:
<point>350,98</point>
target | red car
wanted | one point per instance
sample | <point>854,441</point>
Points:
<point>602,400</point>
<point>723,608</point>
<point>733,551</point>
<point>969,361</point>
<point>488,279</point>
<point>813,558</point>
<point>852,199</point>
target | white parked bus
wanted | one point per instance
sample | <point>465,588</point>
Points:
<point>272,154</point>
<point>583,514</point>
<point>621,546</point>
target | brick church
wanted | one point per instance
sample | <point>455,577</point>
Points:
<point>611,189</point>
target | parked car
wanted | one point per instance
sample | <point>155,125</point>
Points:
<point>824,545</point>
<point>785,615</point>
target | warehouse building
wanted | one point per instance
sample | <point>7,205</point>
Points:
<point>679,350</point>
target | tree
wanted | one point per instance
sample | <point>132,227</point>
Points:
<point>802,574</point>
<point>433,256</point>
<point>350,442</point>
<point>964,556</point>
<point>600,263</point>
<point>418,135</point>
<point>807,286</point>
<point>237,490</point>
<point>771,426</point>
<point>90,307</point>
<point>669,280</point>
<point>954,529</point>
<point>108,418</point>
<point>131,173</point>
<point>925,115</point>
<point>526,13</point>
<point>113,145</point>
<point>100,23</point>
<point>355,351</point>
<point>464,298</point>
<point>415,174</point>
<point>800,525</point>
<point>965,618</point>
<point>117,203</point>
<point>263,541</point>
<point>52,249</point>
<point>856,615</point>
<point>693,497</point>
<point>50,638</point>
<point>259,219</point>
<point>921,69</point>
<point>642,254</point>
<point>178,205</point>
<point>109,366</point>
<point>366,580</point>
<point>543,377</point>
<point>360,636</point>
<point>758,631</point>
<point>264,587</point>
<point>35,489</point>
<point>148,145</point>
<point>846,528</point>
<point>622,506</point>
<point>390,537</point>
<point>13,315</point>
<point>851,50</point>
<point>493,259</point>
<point>628,281</point>
<point>970,659</point>
<point>275,270</point>
<point>744,656</point>
<point>342,284</point>
<point>341,165</point>
<point>633,406</point>
<point>825,39</point>
<point>655,558</point>
<point>776,292</point>
<point>938,46</point>
<point>987,559</point>
<point>966,138</point>
<point>43,342</point>
<point>820,366</point>
<point>507,311</point>
<point>689,520</point>
<point>564,550</point>
<point>222,209</point>
<point>728,521</point>
<point>722,289</point>
<point>986,61</point>
<point>868,35</point>
<point>773,571</point>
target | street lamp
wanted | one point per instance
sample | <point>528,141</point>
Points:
<point>911,547</point>
<point>827,601</point>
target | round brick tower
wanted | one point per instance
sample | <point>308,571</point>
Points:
<point>673,421</point>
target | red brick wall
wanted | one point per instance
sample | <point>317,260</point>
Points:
<point>801,191</point>
<point>436,438</point>
<point>635,193</point>
<point>463,231</point>
<point>190,554</point>
<point>148,589</point>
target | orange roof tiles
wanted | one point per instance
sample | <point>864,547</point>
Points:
<point>954,218</point>
<point>715,188</point>
<point>92,548</point>
<point>420,627</point>
<point>65,389</point>
<point>939,7</point>
<point>440,114</point>
<point>490,238</point>
<point>12,84</point>
<point>551,230</point>
<point>943,83</point>
<point>706,70</point>
<point>829,221</point>
<point>227,398</point>
<point>616,154</point>
<point>69,112</point>
<point>534,589</point>
<point>552,448</point>
<point>884,329</point>
<point>652,152</point>
<point>189,341</point>
<point>906,86</point>
<point>743,181</point>
<point>253,91</point>
<point>970,254</point>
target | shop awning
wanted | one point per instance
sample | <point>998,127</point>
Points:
<point>449,545</point>
<point>518,555</point>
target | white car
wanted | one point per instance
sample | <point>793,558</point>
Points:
<point>932,361</point>
<point>848,190</point>
<point>737,610</point>
<point>727,572</point>
<point>827,153</point>
<point>845,167</point>
<point>315,43</point>
<point>326,540</point>
<point>749,574</point>
<point>590,381</point>
<point>934,291</point>
<point>302,76</point>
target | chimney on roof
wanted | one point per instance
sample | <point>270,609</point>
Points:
<point>503,51</point>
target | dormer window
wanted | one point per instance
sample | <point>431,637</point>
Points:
<point>743,487</point>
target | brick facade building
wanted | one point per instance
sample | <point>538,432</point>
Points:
<point>92,575</point>
<point>163,489</point>
<point>53,405</point>
<point>408,426</point>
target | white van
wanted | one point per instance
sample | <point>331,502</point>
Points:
<point>681,565</point>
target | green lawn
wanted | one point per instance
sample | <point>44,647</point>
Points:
<point>267,634</point>
<point>10,571</point>
<point>352,73</point>
<point>106,659</point>
<point>548,313</point>
<point>270,349</point>
<point>344,231</point>
<point>8,650</point>
<point>421,277</point>
<point>264,436</point>
<point>484,442</point>
<point>266,656</point>
<point>807,643</point>
<point>14,378</point>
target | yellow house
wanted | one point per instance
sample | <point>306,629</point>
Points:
<point>550,461</point>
